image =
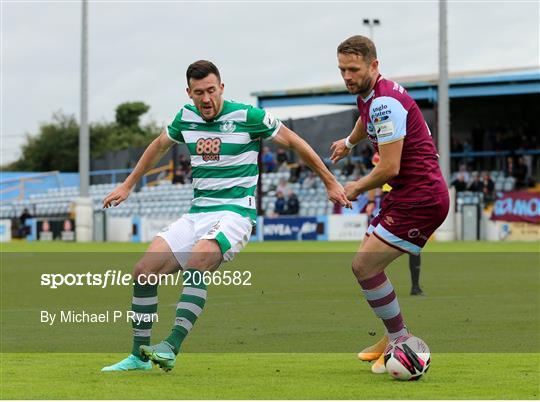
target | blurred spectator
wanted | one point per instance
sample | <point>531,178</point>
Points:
<point>459,183</point>
<point>467,149</point>
<point>367,154</point>
<point>283,186</point>
<point>520,173</point>
<point>293,205</point>
<point>509,169</point>
<point>310,181</point>
<point>299,173</point>
<point>284,167</point>
<point>72,209</point>
<point>347,168</point>
<point>279,206</point>
<point>282,161</point>
<point>24,228</point>
<point>184,163</point>
<point>463,170</point>
<point>528,161</point>
<point>488,187</point>
<point>282,156</point>
<point>179,176</point>
<point>476,185</point>
<point>359,170</point>
<point>268,160</point>
<point>498,142</point>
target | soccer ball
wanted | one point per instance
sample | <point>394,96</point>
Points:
<point>407,358</point>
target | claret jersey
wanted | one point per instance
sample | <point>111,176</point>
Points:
<point>389,114</point>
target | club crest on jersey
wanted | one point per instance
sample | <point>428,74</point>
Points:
<point>227,127</point>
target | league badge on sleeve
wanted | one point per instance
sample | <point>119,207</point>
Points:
<point>384,129</point>
<point>269,120</point>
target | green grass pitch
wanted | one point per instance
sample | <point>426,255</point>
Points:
<point>294,334</point>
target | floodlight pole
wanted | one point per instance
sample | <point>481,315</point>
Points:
<point>84,215</point>
<point>370,23</point>
<point>84,148</point>
<point>443,102</point>
<point>447,231</point>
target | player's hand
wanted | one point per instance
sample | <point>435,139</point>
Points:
<point>117,196</point>
<point>352,191</point>
<point>339,151</point>
<point>336,194</point>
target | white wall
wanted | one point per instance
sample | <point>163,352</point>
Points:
<point>118,229</point>
<point>151,226</point>
<point>347,227</point>
<point>5,230</point>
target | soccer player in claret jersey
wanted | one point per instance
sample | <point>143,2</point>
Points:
<point>372,209</point>
<point>223,139</point>
<point>419,201</point>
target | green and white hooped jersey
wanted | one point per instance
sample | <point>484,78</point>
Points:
<point>224,155</point>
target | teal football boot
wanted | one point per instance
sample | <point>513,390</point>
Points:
<point>161,354</point>
<point>129,363</point>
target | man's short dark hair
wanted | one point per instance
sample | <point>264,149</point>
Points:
<point>359,45</point>
<point>201,69</point>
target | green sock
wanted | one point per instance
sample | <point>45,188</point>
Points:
<point>145,304</point>
<point>188,309</point>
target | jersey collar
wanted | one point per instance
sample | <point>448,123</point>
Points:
<point>369,96</point>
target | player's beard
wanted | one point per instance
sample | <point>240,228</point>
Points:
<point>363,87</point>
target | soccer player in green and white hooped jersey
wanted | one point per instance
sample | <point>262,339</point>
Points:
<point>223,139</point>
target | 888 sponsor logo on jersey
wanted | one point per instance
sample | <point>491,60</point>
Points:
<point>209,148</point>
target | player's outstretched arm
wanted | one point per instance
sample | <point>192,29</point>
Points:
<point>341,148</point>
<point>289,139</point>
<point>153,153</point>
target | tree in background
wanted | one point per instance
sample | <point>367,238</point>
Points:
<point>129,113</point>
<point>56,146</point>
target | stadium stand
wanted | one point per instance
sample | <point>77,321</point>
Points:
<point>167,199</point>
<point>164,201</point>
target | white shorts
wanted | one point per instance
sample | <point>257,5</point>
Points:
<point>231,231</point>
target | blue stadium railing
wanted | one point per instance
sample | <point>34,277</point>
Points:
<point>472,154</point>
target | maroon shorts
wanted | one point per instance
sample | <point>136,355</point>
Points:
<point>407,226</point>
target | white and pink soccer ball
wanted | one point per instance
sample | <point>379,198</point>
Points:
<point>407,358</point>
